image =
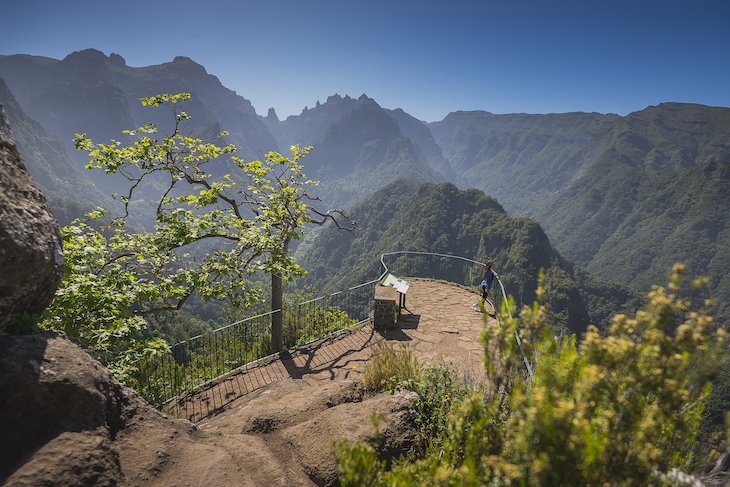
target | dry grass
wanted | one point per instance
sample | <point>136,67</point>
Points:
<point>389,366</point>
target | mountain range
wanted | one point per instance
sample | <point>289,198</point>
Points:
<point>622,196</point>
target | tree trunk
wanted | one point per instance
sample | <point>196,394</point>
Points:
<point>277,300</point>
<point>277,303</point>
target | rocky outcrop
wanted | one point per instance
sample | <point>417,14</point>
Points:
<point>302,423</point>
<point>64,421</point>
<point>31,258</point>
<point>265,412</point>
<point>58,413</point>
<point>386,422</point>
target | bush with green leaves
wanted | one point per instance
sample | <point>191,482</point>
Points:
<point>620,408</point>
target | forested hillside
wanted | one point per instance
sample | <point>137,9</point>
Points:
<point>623,196</point>
<point>70,192</point>
<point>441,218</point>
<point>520,159</point>
<point>657,192</point>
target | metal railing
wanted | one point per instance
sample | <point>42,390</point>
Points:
<point>452,268</point>
<point>196,363</point>
<point>192,364</point>
<point>444,267</point>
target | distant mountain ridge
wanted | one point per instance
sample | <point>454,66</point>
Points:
<point>90,92</point>
<point>360,147</point>
<point>518,158</point>
<point>624,196</point>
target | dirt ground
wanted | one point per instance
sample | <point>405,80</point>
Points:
<point>439,325</point>
<point>66,422</point>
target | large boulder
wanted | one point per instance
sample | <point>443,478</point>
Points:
<point>59,411</point>
<point>31,257</point>
<point>65,422</point>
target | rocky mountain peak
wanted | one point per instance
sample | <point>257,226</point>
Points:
<point>87,56</point>
<point>94,57</point>
<point>188,65</point>
<point>117,60</point>
<point>271,115</point>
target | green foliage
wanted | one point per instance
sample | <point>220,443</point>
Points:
<point>441,218</point>
<point>210,235</point>
<point>388,368</point>
<point>616,409</point>
<point>359,465</point>
<point>439,389</point>
<point>312,323</point>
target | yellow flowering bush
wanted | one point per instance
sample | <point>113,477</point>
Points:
<point>620,408</point>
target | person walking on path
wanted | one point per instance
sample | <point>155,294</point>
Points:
<point>486,285</point>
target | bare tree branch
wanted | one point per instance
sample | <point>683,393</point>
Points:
<point>330,215</point>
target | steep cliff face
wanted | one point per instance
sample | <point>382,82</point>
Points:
<point>69,190</point>
<point>31,258</point>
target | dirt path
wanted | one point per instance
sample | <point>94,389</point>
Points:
<point>439,325</point>
<point>274,424</point>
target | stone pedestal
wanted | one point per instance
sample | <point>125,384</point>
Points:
<point>384,315</point>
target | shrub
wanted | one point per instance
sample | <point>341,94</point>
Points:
<point>389,368</point>
<point>616,409</point>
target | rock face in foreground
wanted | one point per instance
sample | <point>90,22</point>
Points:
<point>306,421</point>
<point>58,414</point>
<point>64,421</point>
<point>31,258</point>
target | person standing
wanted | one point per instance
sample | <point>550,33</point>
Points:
<point>486,285</point>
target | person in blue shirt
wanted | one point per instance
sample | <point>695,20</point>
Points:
<point>486,285</point>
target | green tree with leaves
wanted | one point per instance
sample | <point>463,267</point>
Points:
<point>209,235</point>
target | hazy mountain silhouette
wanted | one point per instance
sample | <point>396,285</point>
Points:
<point>359,147</point>
<point>99,95</point>
<point>70,192</point>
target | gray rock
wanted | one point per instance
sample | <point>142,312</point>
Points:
<point>31,256</point>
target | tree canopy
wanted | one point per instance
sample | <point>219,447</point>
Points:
<point>216,220</point>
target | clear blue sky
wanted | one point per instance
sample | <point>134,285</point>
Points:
<point>427,57</point>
